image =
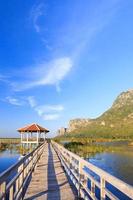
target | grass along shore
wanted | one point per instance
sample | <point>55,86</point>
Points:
<point>10,140</point>
<point>14,144</point>
<point>89,150</point>
<point>87,147</point>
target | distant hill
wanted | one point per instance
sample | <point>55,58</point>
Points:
<point>115,122</point>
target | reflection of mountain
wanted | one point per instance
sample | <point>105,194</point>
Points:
<point>115,122</point>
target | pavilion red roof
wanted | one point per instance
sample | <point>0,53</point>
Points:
<point>33,128</point>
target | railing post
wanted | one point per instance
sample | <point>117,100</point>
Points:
<point>21,178</point>
<point>30,163</point>
<point>17,185</point>
<point>33,160</point>
<point>11,193</point>
<point>36,159</point>
<point>102,189</point>
<point>70,161</point>
<point>79,178</point>
<point>3,190</point>
<point>92,189</point>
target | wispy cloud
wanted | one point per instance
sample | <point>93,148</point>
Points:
<point>46,112</point>
<point>75,37</point>
<point>70,40</point>
<point>50,73</point>
<point>32,101</point>
<point>51,117</point>
<point>14,101</point>
<point>4,79</point>
<point>37,11</point>
<point>48,108</point>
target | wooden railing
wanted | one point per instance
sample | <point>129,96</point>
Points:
<point>32,140</point>
<point>13,181</point>
<point>91,181</point>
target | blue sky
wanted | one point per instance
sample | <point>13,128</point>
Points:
<point>61,60</point>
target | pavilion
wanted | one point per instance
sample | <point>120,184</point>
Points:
<point>33,134</point>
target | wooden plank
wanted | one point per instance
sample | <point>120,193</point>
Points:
<point>49,181</point>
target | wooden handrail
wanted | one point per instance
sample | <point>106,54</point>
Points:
<point>82,171</point>
<point>14,180</point>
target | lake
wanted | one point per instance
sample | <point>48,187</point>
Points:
<point>119,164</point>
<point>8,158</point>
<point>11,156</point>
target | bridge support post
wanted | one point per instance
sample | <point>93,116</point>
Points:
<point>92,189</point>
<point>102,189</point>
<point>11,193</point>
<point>3,189</point>
<point>79,180</point>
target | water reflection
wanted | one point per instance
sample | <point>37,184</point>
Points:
<point>119,164</point>
<point>26,148</point>
<point>12,154</point>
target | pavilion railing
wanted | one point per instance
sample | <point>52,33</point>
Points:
<point>92,182</point>
<point>14,180</point>
<point>33,140</point>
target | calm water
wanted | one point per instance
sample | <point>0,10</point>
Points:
<point>11,156</point>
<point>8,158</point>
<point>119,164</point>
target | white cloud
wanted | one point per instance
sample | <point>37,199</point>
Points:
<point>48,108</point>
<point>50,73</point>
<point>36,12</point>
<point>51,116</point>
<point>71,38</point>
<point>32,101</point>
<point>59,68</point>
<point>4,79</point>
<point>14,101</point>
<point>46,112</point>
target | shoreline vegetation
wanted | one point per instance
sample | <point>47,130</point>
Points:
<point>88,151</point>
<point>87,147</point>
<point>10,140</point>
<point>13,144</point>
<point>6,143</point>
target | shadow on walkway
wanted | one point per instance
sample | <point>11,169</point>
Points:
<point>53,187</point>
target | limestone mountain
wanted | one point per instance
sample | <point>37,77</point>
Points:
<point>77,123</point>
<point>115,122</point>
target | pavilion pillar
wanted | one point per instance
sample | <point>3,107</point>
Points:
<point>27,137</point>
<point>21,137</point>
<point>44,136</point>
<point>31,135</point>
<point>37,137</point>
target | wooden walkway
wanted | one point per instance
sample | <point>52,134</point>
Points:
<point>49,181</point>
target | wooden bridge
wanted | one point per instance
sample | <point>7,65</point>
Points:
<point>52,172</point>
